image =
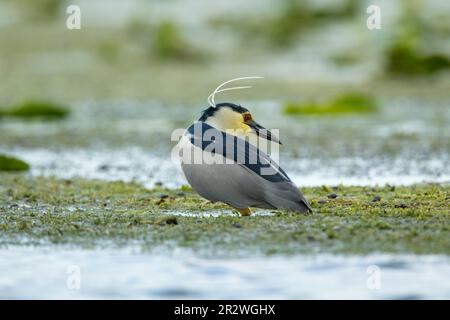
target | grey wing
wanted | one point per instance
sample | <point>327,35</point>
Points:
<point>240,187</point>
<point>229,183</point>
<point>282,195</point>
<point>278,189</point>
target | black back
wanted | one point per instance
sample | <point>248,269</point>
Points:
<point>211,110</point>
<point>238,147</point>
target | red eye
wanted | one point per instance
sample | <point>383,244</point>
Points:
<point>247,117</point>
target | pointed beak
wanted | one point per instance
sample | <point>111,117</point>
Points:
<point>262,132</point>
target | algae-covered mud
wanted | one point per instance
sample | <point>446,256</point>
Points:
<point>170,243</point>
<point>346,220</point>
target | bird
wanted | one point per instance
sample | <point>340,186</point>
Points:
<point>223,162</point>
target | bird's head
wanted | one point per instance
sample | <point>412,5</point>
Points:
<point>228,116</point>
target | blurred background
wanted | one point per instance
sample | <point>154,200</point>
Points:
<point>353,105</point>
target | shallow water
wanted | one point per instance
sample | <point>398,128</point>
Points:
<point>131,141</point>
<point>141,166</point>
<point>48,272</point>
<point>216,213</point>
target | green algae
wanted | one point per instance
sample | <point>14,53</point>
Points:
<point>402,59</point>
<point>12,164</point>
<point>412,219</point>
<point>290,19</point>
<point>348,103</point>
<point>37,109</point>
<point>411,52</point>
<point>170,43</point>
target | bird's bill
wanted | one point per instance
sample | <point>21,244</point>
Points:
<point>262,132</point>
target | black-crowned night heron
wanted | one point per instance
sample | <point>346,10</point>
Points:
<point>222,164</point>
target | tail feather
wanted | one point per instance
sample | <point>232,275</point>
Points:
<point>286,196</point>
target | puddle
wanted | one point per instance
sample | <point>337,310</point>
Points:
<point>48,273</point>
<point>143,167</point>
<point>215,214</point>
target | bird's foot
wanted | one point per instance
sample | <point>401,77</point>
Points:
<point>244,212</point>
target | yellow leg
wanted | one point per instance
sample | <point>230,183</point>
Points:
<point>244,212</point>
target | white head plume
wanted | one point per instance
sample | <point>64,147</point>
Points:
<point>211,97</point>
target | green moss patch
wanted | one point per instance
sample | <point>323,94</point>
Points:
<point>350,103</point>
<point>402,59</point>
<point>12,164</point>
<point>169,43</point>
<point>411,52</point>
<point>290,19</point>
<point>37,109</point>
<point>358,220</point>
